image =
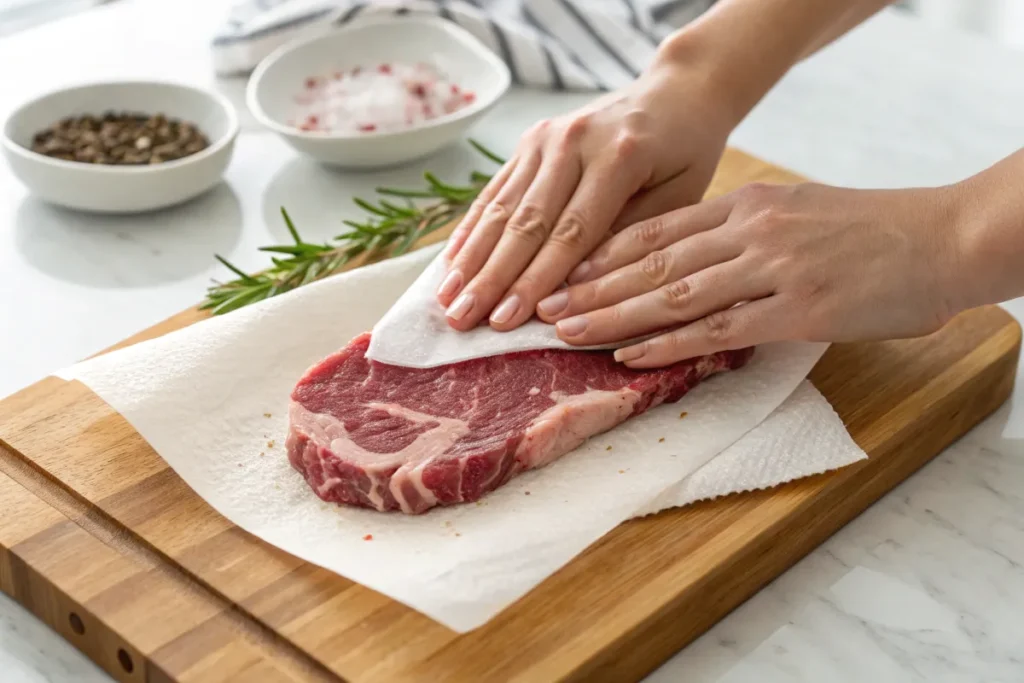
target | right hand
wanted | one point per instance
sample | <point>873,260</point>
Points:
<point>576,179</point>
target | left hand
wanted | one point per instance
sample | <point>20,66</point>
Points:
<point>769,263</point>
<point>634,153</point>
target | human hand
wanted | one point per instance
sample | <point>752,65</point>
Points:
<point>768,263</point>
<point>635,153</point>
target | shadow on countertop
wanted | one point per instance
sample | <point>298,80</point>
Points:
<point>128,251</point>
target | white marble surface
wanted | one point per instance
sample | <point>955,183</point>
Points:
<point>927,585</point>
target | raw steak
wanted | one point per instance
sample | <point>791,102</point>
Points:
<point>394,438</point>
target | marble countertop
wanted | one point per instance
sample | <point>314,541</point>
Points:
<point>927,585</point>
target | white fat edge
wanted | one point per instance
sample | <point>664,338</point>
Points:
<point>613,404</point>
<point>330,430</point>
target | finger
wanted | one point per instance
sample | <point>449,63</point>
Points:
<point>600,195</point>
<point>476,209</point>
<point>654,270</point>
<point>690,298</point>
<point>481,240</point>
<point>523,235</point>
<point>756,322</point>
<point>682,190</point>
<point>636,241</point>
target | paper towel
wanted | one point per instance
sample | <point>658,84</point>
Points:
<point>414,332</point>
<point>212,400</point>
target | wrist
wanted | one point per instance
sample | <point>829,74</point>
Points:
<point>686,63</point>
<point>986,230</point>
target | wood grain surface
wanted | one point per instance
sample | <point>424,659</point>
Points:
<point>101,540</point>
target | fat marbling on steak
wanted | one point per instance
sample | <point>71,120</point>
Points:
<point>394,438</point>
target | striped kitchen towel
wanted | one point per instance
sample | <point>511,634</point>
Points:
<point>553,44</point>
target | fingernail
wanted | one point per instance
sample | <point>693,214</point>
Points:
<point>579,272</point>
<point>629,353</point>
<point>554,304</point>
<point>507,309</point>
<point>460,307</point>
<point>573,327</point>
<point>450,284</point>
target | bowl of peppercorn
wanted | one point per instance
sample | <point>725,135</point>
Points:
<point>121,147</point>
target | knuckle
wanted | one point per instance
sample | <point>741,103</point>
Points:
<point>577,127</point>
<point>496,210</point>
<point>650,231</point>
<point>529,224</point>
<point>484,284</point>
<point>525,285</point>
<point>677,294</point>
<point>570,231</point>
<point>626,147</point>
<point>637,119</point>
<point>719,327</point>
<point>656,267</point>
<point>755,191</point>
<point>583,297</point>
<point>538,129</point>
<point>612,316</point>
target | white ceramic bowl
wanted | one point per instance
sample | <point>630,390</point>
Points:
<point>121,189</point>
<point>450,49</point>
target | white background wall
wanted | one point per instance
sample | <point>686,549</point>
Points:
<point>1000,19</point>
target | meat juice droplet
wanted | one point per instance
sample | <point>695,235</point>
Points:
<point>384,68</point>
<point>368,537</point>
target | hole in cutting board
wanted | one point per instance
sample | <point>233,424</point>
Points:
<point>126,660</point>
<point>76,623</point>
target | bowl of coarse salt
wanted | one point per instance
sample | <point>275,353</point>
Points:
<point>384,91</point>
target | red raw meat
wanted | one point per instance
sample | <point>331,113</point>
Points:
<point>394,438</point>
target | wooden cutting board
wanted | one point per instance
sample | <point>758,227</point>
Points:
<point>102,541</point>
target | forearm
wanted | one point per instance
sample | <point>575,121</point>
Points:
<point>989,225</point>
<point>745,46</point>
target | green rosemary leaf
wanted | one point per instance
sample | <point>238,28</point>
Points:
<point>411,211</point>
<point>487,153</point>
<point>367,206</point>
<point>361,227</point>
<point>388,230</point>
<point>392,192</point>
<point>237,301</point>
<point>241,273</point>
<point>294,250</point>
<point>291,226</point>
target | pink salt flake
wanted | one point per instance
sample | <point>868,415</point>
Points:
<point>386,97</point>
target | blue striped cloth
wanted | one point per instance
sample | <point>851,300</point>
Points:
<point>550,44</point>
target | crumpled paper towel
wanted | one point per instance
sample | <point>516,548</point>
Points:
<point>201,397</point>
<point>415,333</point>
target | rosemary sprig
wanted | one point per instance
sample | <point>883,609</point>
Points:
<point>389,229</point>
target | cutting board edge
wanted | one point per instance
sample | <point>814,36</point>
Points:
<point>27,577</point>
<point>605,667</point>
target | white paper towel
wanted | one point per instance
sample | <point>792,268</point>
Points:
<point>212,400</point>
<point>415,333</point>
